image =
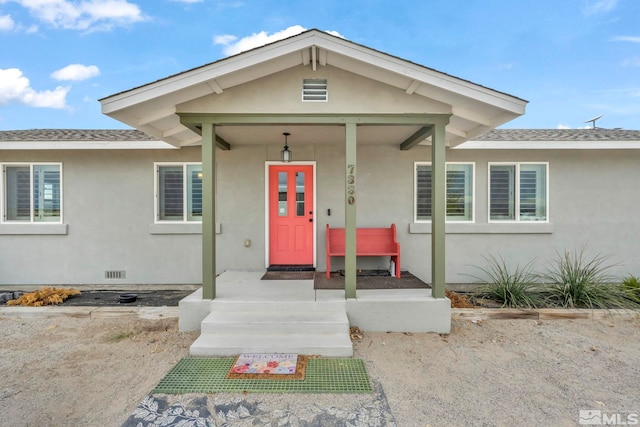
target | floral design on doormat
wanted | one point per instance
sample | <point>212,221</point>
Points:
<point>269,366</point>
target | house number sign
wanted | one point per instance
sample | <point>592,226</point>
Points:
<point>351,184</point>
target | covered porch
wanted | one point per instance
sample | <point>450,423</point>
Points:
<point>362,120</point>
<point>274,316</point>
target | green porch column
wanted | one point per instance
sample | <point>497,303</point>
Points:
<point>350,212</point>
<point>438,210</point>
<point>208,212</point>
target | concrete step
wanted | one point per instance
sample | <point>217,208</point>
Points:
<point>275,306</point>
<point>327,345</point>
<point>237,322</point>
<point>320,328</point>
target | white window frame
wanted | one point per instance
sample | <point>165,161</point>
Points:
<point>185,194</point>
<point>473,192</point>
<point>517,193</point>
<point>3,193</point>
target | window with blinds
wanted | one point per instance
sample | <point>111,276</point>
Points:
<point>33,193</point>
<point>518,192</point>
<point>459,192</point>
<point>179,192</point>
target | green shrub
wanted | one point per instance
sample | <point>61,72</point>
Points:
<point>512,287</point>
<point>577,281</point>
<point>631,288</point>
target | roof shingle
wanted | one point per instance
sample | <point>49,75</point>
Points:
<point>560,135</point>
<point>75,135</point>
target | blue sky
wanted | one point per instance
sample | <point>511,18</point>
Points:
<point>572,59</point>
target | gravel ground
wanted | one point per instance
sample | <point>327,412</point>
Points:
<point>95,372</point>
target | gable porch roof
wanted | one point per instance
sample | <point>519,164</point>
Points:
<point>153,108</point>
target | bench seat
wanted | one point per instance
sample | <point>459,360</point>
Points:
<point>369,242</point>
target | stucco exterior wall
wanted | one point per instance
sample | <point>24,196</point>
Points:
<point>108,199</point>
<point>109,212</point>
<point>282,92</point>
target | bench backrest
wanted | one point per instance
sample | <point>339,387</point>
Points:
<point>368,240</point>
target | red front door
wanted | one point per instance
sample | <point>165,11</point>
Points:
<point>291,214</point>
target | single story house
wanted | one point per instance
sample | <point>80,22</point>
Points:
<point>203,185</point>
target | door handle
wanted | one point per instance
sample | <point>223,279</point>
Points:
<point>310,219</point>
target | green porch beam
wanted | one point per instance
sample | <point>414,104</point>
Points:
<point>420,135</point>
<point>350,212</point>
<point>220,142</point>
<point>208,212</point>
<point>438,210</point>
<point>309,119</point>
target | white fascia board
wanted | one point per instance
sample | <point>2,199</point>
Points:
<point>426,75</point>
<point>327,42</point>
<point>204,74</point>
<point>85,145</point>
<point>549,145</point>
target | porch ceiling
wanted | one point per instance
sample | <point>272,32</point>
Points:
<point>311,134</point>
<point>153,108</point>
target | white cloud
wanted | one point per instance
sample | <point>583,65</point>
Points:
<point>233,45</point>
<point>335,33</point>
<point>631,62</point>
<point>224,39</point>
<point>593,7</point>
<point>87,15</point>
<point>6,23</point>
<point>76,72</point>
<point>632,39</point>
<point>15,87</point>
<point>254,40</point>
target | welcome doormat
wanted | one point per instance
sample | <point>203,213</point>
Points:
<point>208,375</point>
<point>269,367</point>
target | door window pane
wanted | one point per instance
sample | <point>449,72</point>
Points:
<point>282,194</point>
<point>299,193</point>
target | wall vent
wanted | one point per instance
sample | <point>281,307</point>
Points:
<point>115,274</point>
<point>314,90</point>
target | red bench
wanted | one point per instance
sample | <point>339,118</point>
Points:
<point>369,242</point>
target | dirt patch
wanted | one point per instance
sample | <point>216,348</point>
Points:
<point>80,371</point>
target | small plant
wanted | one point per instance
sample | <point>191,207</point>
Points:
<point>631,288</point>
<point>512,287</point>
<point>119,336</point>
<point>577,281</point>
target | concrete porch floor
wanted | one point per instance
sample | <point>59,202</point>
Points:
<point>386,310</point>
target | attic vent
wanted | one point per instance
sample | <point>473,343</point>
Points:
<point>115,274</point>
<point>314,90</point>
